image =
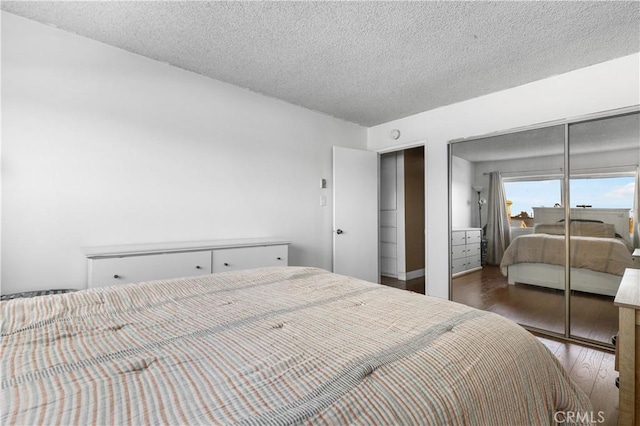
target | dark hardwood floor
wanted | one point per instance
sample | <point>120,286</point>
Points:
<point>415,285</point>
<point>593,371</point>
<point>592,316</point>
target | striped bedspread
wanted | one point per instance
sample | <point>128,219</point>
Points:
<point>608,255</point>
<point>271,346</point>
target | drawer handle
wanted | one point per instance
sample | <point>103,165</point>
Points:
<point>226,264</point>
<point>116,276</point>
<point>198,267</point>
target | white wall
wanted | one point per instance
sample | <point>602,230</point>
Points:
<point>601,87</point>
<point>464,204</point>
<point>102,146</point>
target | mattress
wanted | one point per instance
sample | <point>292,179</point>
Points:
<point>289,345</point>
<point>608,255</point>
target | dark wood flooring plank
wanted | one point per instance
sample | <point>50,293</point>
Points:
<point>593,316</point>
<point>551,344</point>
<point>586,369</point>
<point>582,362</point>
<point>568,354</point>
<point>604,394</point>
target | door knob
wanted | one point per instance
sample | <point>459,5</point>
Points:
<point>339,231</point>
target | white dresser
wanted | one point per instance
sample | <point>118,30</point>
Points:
<point>636,259</point>
<point>628,347</point>
<point>465,250</point>
<point>144,262</point>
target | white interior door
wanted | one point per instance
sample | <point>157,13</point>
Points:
<point>355,213</point>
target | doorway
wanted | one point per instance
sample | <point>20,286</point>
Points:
<point>402,219</point>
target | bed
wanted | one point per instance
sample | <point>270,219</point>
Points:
<point>279,345</point>
<point>600,251</point>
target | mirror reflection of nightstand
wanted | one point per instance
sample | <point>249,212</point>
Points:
<point>636,258</point>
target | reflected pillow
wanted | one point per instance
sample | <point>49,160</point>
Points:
<point>578,228</point>
<point>593,229</point>
<point>549,228</point>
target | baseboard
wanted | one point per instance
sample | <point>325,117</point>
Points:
<point>411,275</point>
<point>467,271</point>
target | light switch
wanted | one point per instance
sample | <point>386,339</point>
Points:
<point>323,200</point>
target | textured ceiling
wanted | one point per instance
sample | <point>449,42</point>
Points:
<point>365,62</point>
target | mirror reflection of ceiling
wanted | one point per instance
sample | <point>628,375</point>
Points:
<point>611,134</point>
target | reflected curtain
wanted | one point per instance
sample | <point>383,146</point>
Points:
<point>636,211</point>
<point>497,220</point>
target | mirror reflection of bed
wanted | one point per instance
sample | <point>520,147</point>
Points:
<point>601,250</point>
<point>524,280</point>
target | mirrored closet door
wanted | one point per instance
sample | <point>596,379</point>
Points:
<point>496,185</point>
<point>604,157</point>
<point>515,196</point>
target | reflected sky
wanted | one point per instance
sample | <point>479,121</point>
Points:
<point>597,192</point>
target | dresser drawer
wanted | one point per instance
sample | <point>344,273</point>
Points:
<point>132,269</point>
<point>275,255</point>
<point>458,252</point>
<point>458,238</point>
<point>474,237</point>
<point>234,259</point>
<point>473,262</point>
<point>473,249</point>
<point>458,265</point>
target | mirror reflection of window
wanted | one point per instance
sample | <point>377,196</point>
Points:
<point>587,191</point>
<point>526,194</point>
